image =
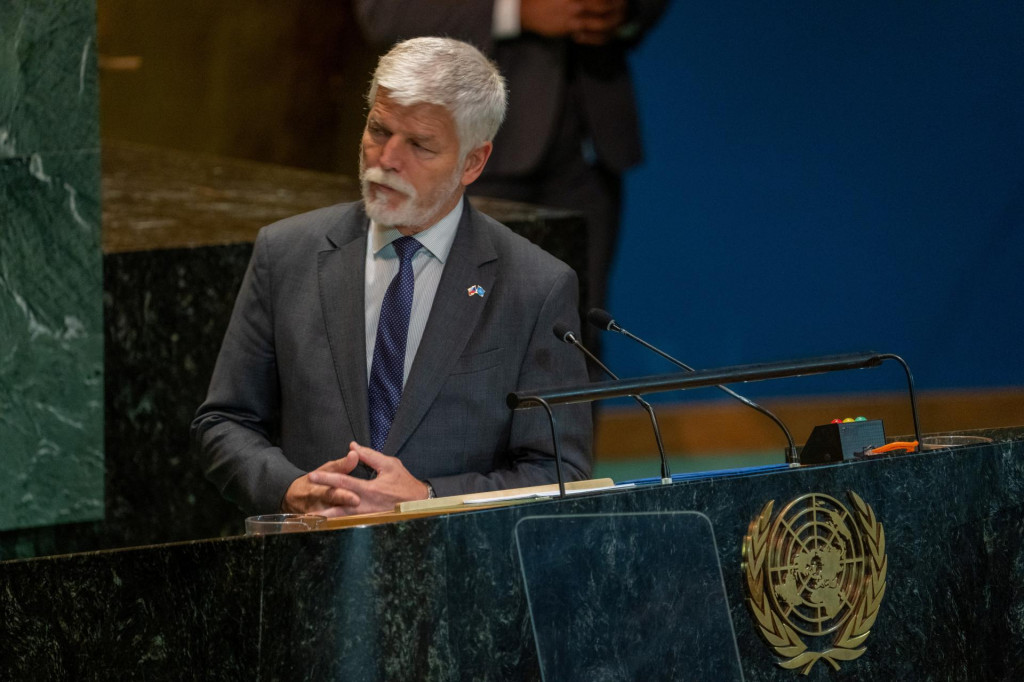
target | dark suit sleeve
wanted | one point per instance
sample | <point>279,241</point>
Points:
<point>547,363</point>
<point>385,22</point>
<point>232,429</point>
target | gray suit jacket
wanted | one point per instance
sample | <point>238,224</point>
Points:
<point>289,389</point>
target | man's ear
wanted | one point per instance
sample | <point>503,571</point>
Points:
<point>475,162</point>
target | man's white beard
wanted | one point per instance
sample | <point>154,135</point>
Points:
<point>413,211</point>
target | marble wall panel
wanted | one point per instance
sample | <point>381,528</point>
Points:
<point>51,336</point>
<point>48,85</point>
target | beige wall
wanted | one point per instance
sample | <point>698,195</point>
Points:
<point>268,80</point>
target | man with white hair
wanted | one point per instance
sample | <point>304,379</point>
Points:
<point>572,129</point>
<point>372,344</point>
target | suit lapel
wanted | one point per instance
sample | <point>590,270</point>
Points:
<point>453,317</point>
<point>341,271</point>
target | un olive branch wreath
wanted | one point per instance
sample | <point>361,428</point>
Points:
<point>784,640</point>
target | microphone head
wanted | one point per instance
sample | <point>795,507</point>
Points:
<point>563,332</point>
<point>601,319</point>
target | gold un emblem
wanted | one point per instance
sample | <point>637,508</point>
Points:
<point>817,570</point>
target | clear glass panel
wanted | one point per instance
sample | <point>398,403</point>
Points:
<point>627,597</point>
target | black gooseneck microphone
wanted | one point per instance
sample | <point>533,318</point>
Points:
<point>603,320</point>
<point>565,334</point>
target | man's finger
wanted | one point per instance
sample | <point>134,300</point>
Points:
<point>340,497</point>
<point>332,480</point>
<point>336,511</point>
<point>368,456</point>
<point>344,465</point>
<point>330,490</point>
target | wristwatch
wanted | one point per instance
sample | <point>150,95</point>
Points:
<point>430,490</point>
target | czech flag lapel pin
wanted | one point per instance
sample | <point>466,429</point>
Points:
<point>476,290</point>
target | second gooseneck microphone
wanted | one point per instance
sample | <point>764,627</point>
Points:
<point>603,320</point>
<point>566,335</point>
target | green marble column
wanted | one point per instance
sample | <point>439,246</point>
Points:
<point>51,334</point>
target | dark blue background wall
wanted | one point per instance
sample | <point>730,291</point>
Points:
<point>827,177</point>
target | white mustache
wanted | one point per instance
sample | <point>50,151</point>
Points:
<point>380,176</point>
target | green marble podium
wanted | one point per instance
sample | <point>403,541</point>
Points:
<point>441,598</point>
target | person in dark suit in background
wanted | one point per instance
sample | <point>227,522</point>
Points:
<point>380,338</point>
<point>572,126</point>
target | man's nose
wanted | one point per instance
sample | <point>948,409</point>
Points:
<point>391,154</point>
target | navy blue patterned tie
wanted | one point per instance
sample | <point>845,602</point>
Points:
<point>388,366</point>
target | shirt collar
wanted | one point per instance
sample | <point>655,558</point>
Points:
<point>437,239</point>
